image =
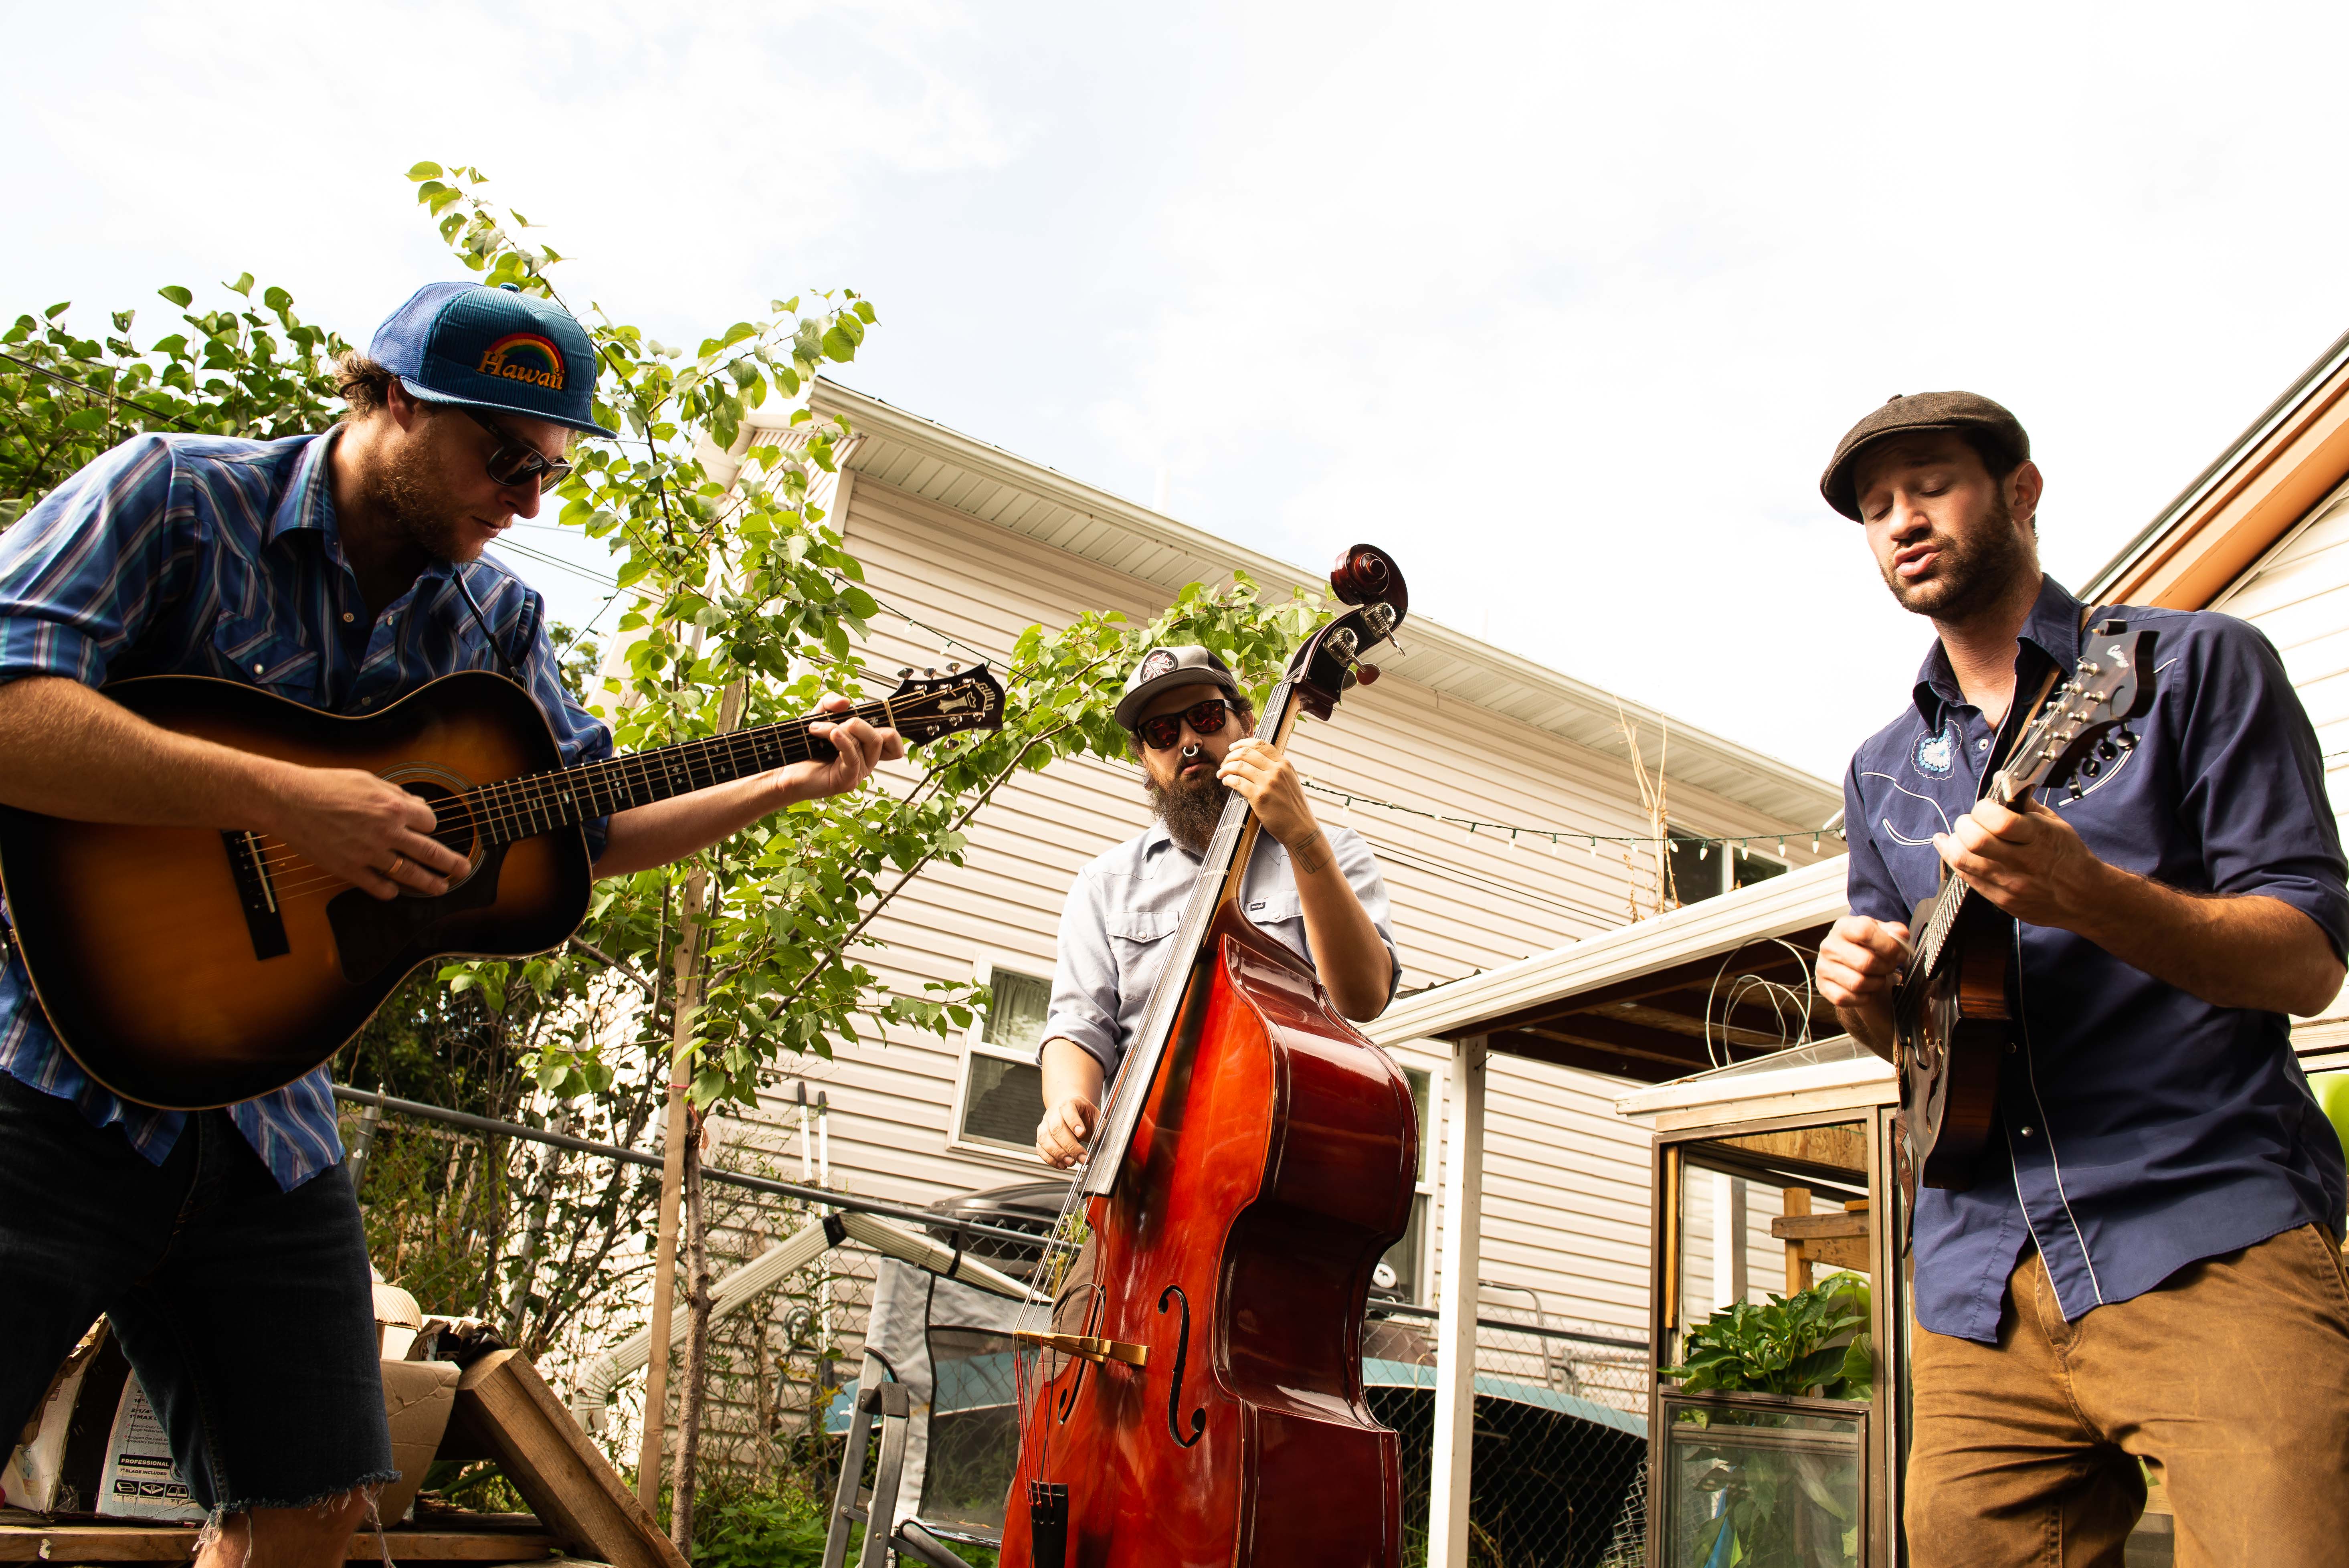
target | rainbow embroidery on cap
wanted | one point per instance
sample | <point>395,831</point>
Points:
<point>524,356</point>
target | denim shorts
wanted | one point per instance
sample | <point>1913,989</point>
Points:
<point>247,1310</point>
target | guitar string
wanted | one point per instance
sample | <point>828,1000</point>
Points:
<point>518,803</point>
<point>508,810</point>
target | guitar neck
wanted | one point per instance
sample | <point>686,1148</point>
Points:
<point>536,803</point>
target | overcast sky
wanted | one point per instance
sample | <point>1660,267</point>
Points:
<point>1565,305</point>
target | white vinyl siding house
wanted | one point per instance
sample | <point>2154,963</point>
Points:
<point>963,542</point>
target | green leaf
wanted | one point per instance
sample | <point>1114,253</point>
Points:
<point>242,286</point>
<point>57,309</point>
<point>433,171</point>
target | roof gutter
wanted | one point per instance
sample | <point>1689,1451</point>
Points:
<point>2277,413</point>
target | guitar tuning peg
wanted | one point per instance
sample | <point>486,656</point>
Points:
<point>1367,674</point>
<point>904,671</point>
<point>1346,681</point>
<point>2074,788</point>
<point>931,672</point>
<point>952,666</point>
<point>2108,750</point>
<point>2125,738</point>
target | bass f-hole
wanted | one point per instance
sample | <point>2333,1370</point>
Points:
<point>1175,1383</point>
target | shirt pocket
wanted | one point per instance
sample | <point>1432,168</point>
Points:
<point>1138,940</point>
<point>253,650</point>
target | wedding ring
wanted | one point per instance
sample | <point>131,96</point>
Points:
<point>398,860</point>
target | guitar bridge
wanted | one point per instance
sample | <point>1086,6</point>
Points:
<point>1089,1348</point>
<point>256,894</point>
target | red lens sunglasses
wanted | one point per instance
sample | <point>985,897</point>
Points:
<point>1207,717</point>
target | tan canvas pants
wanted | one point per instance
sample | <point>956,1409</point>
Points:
<point>2231,1378</point>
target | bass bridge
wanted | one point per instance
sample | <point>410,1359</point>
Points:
<point>1089,1348</point>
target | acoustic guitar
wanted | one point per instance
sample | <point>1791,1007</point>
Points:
<point>186,967</point>
<point>1953,1004</point>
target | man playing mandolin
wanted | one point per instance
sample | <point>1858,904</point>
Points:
<point>2146,1264</point>
<point>1316,890</point>
<point>341,571</point>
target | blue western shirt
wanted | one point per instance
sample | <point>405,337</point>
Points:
<point>201,555</point>
<point>2141,1128</point>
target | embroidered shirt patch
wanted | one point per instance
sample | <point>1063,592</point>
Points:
<point>1936,753</point>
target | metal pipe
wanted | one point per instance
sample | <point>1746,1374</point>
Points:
<point>629,1156</point>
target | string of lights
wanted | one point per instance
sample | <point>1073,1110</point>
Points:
<point>1558,840</point>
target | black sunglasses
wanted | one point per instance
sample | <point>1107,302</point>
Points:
<point>1207,717</point>
<point>516,462</point>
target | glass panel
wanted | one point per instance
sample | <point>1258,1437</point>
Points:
<point>1417,1079</point>
<point>1762,1486</point>
<point>1775,1214</point>
<point>1405,1256</point>
<point>974,1428</point>
<point>1004,1103</point>
<point>1696,867</point>
<point>1745,870</point>
<point>1015,1018</point>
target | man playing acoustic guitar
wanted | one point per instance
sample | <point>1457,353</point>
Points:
<point>2146,1267</point>
<point>341,571</point>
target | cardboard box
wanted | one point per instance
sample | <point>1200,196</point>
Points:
<point>417,1398</point>
<point>100,1449</point>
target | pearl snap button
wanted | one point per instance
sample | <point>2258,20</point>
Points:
<point>256,669</point>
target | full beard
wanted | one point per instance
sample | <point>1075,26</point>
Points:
<point>1192,810</point>
<point>1968,578</point>
<point>403,489</point>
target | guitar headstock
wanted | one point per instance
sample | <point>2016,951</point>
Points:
<point>926,706</point>
<point>1331,664</point>
<point>2082,730</point>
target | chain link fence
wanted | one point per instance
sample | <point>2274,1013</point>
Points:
<point>553,1246</point>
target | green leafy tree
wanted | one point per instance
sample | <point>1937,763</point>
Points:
<point>250,368</point>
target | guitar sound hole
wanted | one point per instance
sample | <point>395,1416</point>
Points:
<point>443,792</point>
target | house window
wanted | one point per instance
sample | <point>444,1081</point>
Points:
<point>1408,1257</point>
<point>1002,1097</point>
<point>1702,869</point>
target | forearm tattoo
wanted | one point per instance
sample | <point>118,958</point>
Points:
<point>1311,855</point>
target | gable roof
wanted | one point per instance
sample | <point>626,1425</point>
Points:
<point>953,470</point>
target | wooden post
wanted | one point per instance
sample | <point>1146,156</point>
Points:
<point>680,1078</point>
<point>1799,1265</point>
<point>1455,1322</point>
<point>678,1130</point>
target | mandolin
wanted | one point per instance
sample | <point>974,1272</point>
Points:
<point>1953,1004</point>
<point>188,967</point>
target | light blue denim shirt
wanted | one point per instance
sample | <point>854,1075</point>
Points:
<point>1121,916</point>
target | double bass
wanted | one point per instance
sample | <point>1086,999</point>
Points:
<point>1194,1393</point>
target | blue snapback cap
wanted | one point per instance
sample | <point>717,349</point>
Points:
<point>494,348</point>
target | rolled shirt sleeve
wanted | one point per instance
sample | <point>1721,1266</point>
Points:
<point>1085,1007</point>
<point>2252,780</point>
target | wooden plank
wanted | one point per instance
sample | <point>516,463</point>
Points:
<point>177,1543</point>
<point>1817,1227</point>
<point>563,1477</point>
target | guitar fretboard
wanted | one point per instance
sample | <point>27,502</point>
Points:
<point>514,809</point>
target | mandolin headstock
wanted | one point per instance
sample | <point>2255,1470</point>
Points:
<point>1331,663</point>
<point>930,705</point>
<point>2083,727</point>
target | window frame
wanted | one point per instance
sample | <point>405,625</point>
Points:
<point>975,1044</point>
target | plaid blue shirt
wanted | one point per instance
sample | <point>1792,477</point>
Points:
<point>198,555</point>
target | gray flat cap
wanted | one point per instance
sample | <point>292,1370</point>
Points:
<point>1905,416</point>
<point>1161,669</point>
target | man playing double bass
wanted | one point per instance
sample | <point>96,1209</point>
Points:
<point>2147,1266</point>
<point>1315,889</point>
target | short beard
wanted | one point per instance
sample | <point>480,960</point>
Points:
<point>1971,578</point>
<point>1191,812</point>
<point>403,489</point>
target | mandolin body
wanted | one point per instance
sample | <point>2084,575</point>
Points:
<point>158,978</point>
<point>1273,1163</point>
<point>1953,1027</point>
